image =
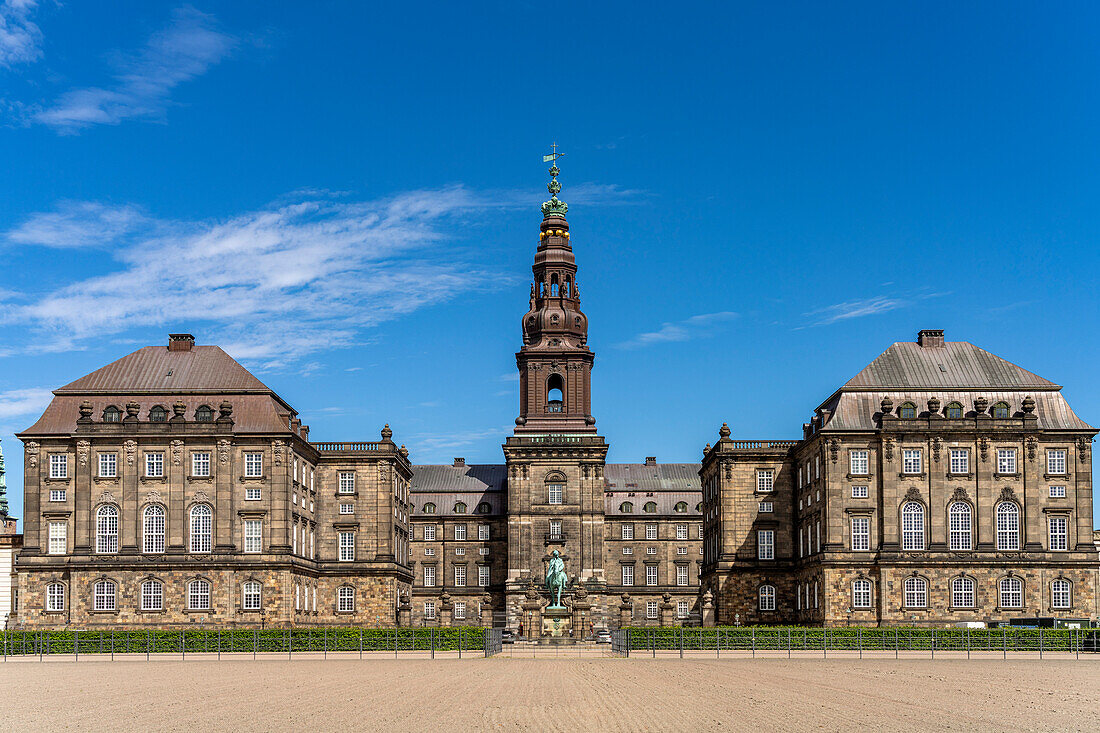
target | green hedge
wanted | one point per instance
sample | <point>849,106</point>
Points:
<point>904,638</point>
<point>192,641</point>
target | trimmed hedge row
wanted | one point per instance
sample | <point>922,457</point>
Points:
<point>194,641</point>
<point>904,638</point>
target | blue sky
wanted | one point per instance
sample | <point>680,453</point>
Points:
<point>345,196</point>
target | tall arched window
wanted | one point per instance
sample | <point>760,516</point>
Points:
<point>650,507</point>
<point>907,411</point>
<point>153,529</point>
<point>103,596</point>
<point>626,507</point>
<point>158,414</point>
<point>1008,526</point>
<point>1060,594</point>
<point>912,526</point>
<point>152,595</point>
<point>767,598</point>
<point>201,528</point>
<point>954,410</point>
<point>959,520</point>
<point>106,529</point>
<point>962,592</point>
<point>555,389</point>
<point>1012,593</point>
<point>55,596</point>
<point>198,595</point>
<point>250,595</point>
<point>861,593</point>
<point>916,592</point>
<point>1000,410</point>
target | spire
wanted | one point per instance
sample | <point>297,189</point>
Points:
<point>554,207</point>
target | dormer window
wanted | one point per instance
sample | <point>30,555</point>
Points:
<point>907,411</point>
<point>158,414</point>
<point>650,507</point>
<point>460,508</point>
<point>1000,410</point>
<point>954,411</point>
<point>681,507</point>
<point>204,414</point>
<point>626,507</point>
<point>484,508</point>
<point>429,508</point>
<point>112,414</point>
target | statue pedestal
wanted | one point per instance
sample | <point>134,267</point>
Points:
<point>580,619</point>
<point>557,625</point>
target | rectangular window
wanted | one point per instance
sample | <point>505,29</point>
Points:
<point>628,550</point>
<point>460,550</point>
<point>253,465</point>
<point>253,535</point>
<point>765,480</point>
<point>628,575</point>
<point>681,531</point>
<point>910,461</point>
<point>152,596</point>
<point>104,596</point>
<point>817,467</point>
<point>55,597</point>
<point>1057,492</point>
<point>861,594</point>
<point>681,550</point>
<point>857,463</point>
<point>682,609</point>
<point>681,575</point>
<point>429,551</point>
<point>627,531</point>
<point>699,534</point>
<point>651,531</point>
<point>555,491</point>
<point>483,531</point>
<point>483,575</point>
<point>651,609</point>
<point>460,576</point>
<point>765,507</point>
<point>58,542</point>
<point>57,494</point>
<point>429,533</point>
<point>1006,460</point>
<point>555,529</point>
<point>460,531</point>
<point>429,576</point>
<point>651,550</point>
<point>154,465</point>
<point>1059,538</point>
<point>859,492</point>
<point>200,464</point>
<point>59,466</point>
<point>108,465</point>
<point>483,551</point>
<point>1056,461</point>
<point>252,494</point>
<point>861,534</point>
<point>1060,594</point>
<point>460,610</point>
<point>347,546</point>
<point>960,460</point>
<point>429,609</point>
<point>651,575</point>
<point>346,482</point>
<point>765,544</point>
<point>345,599</point>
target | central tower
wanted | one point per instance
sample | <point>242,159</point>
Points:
<point>555,458</point>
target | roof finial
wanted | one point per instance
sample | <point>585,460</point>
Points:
<point>554,207</point>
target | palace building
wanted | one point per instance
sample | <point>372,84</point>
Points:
<point>940,484</point>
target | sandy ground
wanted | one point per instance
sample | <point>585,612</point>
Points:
<point>552,694</point>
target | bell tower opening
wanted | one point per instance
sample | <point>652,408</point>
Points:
<point>554,392</point>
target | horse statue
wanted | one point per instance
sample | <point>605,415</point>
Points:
<point>556,579</point>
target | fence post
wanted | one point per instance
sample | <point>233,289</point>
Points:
<point>859,640</point>
<point>431,639</point>
<point>112,646</point>
<point>289,645</point>
<point>1004,642</point>
<point>825,642</point>
<point>76,646</point>
<point>933,643</point>
<point>219,645</point>
<point>461,640</point>
<point>653,643</point>
<point>1040,642</point>
<point>255,643</point>
<point>895,643</point>
<point>788,642</point>
<point>753,632</point>
<point>681,642</point>
<point>148,642</point>
<point>183,646</point>
<point>718,643</point>
<point>324,638</point>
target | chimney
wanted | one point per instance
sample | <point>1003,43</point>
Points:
<point>304,432</point>
<point>460,463</point>
<point>930,338</point>
<point>651,460</point>
<point>180,342</point>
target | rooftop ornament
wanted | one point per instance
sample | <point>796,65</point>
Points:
<point>555,206</point>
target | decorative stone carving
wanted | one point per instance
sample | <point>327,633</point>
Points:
<point>888,447</point>
<point>532,591</point>
<point>132,410</point>
<point>177,452</point>
<point>178,410</point>
<point>225,411</point>
<point>82,449</point>
<point>960,495</point>
<point>32,454</point>
<point>106,497</point>
<point>1032,444</point>
<point>981,404</point>
<point>834,449</point>
<point>933,405</point>
<point>1083,447</point>
<point>937,444</point>
<point>983,448</point>
<point>223,451</point>
<point>1028,405</point>
<point>202,497</point>
<point>708,599</point>
<point>386,432</point>
<point>886,405</point>
<point>130,447</point>
<point>277,449</point>
<point>85,411</point>
<point>579,591</point>
<point>155,497</point>
<point>724,431</point>
<point>913,494</point>
<point>625,598</point>
<point>706,449</point>
<point>1007,494</point>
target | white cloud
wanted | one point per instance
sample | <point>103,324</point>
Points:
<point>78,224</point>
<point>442,447</point>
<point>143,81</point>
<point>855,309</point>
<point>19,37</point>
<point>20,402</point>
<point>695,327</point>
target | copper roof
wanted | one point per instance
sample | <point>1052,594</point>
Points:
<point>155,369</point>
<point>483,477</point>
<point>957,364</point>
<point>656,477</point>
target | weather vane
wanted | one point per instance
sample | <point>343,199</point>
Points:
<point>555,206</point>
<point>553,157</point>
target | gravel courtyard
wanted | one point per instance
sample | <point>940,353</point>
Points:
<point>552,694</point>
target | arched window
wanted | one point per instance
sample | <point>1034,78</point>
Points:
<point>106,529</point>
<point>484,508</point>
<point>1000,409</point>
<point>916,592</point>
<point>1008,526</point>
<point>201,528</point>
<point>959,526</point>
<point>907,411</point>
<point>699,507</point>
<point>460,508</point>
<point>681,507</point>
<point>198,595</point>
<point>1012,593</point>
<point>554,285</point>
<point>55,596</point>
<point>554,394</point>
<point>1060,594</point>
<point>103,596</point>
<point>158,414</point>
<point>626,507</point>
<point>429,508</point>
<point>152,595</point>
<point>962,592</point>
<point>954,410</point>
<point>912,526</point>
<point>112,414</point>
<point>345,599</point>
<point>861,593</point>
<point>204,414</point>
<point>250,595</point>
<point>650,507</point>
<point>767,598</point>
<point>153,529</point>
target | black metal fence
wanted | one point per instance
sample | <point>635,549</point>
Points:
<point>75,642</point>
<point>880,640</point>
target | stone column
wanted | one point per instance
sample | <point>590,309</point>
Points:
<point>581,609</point>
<point>708,609</point>
<point>487,611</point>
<point>446,609</point>
<point>177,514</point>
<point>404,612</point>
<point>129,519</point>
<point>83,532</point>
<point>626,611</point>
<point>668,618</point>
<point>532,618</point>
<point>225,520</point>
